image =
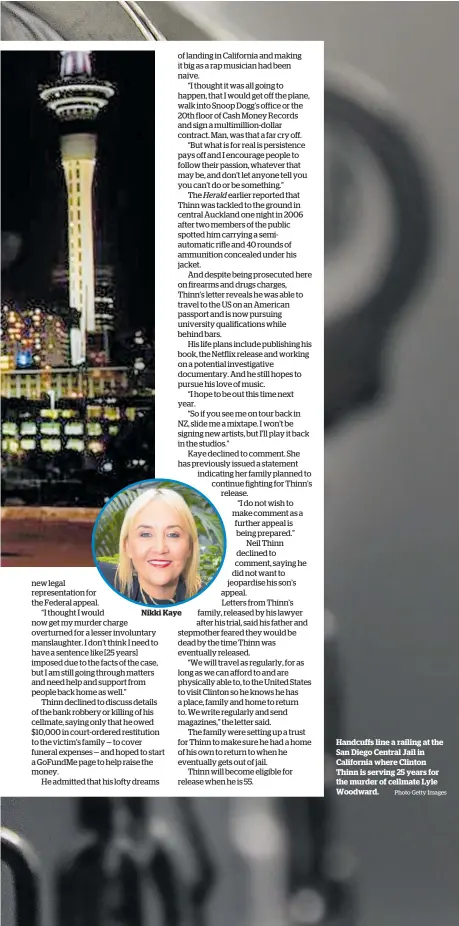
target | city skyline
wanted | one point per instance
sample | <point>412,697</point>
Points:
<point>77,423</point>
<point>33,187</point>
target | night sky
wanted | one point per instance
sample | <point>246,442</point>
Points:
<point>33,186</point>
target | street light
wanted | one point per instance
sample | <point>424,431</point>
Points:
<point>52,398</point>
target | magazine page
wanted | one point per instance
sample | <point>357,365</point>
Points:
<point>228,688</point>
<point>190,652</point>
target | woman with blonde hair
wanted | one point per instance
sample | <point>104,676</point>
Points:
<point>158,550</point>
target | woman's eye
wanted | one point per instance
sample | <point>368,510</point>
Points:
<point>145,534</point>
<point>174,536</point>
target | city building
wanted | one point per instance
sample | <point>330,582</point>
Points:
<point>31,339</point>
<point>64,383</point>
<point>55,343</point>
<point>76,98</point>
<point>104,303</point>
<point>77,452</point>
<point>75,426</point>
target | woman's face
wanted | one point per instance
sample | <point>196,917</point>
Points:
<point>159,546</point>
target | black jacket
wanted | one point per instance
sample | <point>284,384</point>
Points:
<point>108,571</point>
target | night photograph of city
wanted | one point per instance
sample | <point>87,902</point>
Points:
<point>77,346</point>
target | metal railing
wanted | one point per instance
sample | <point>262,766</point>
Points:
<point>20,858</point>
<point>141,20</point>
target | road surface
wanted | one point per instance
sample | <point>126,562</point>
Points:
<point>46,543</point>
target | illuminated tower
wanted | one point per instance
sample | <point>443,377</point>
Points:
<point>76,97</point>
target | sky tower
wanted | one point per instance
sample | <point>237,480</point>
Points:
<point>76,98</point>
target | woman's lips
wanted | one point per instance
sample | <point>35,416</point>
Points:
<point>159,563</point>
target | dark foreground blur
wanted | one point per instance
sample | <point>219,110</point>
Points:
<point>185,862</point>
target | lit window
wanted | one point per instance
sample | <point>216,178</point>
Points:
<point>28,427</point>
<point>12,446</point>
<point>111,414</point>
<point>9,428</point>
<point>74,427</point>
<point>75,444</point>
<point>95,446</point>
<point>51,427</point>
<point>50,445</point>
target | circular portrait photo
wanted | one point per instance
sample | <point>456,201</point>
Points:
<point>159,543</point>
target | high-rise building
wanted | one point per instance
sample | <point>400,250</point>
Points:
<point>104,302</point>
<point>21,337</point>
<point>76,98</point>
<point>55,343</point>
<point>32,339</point>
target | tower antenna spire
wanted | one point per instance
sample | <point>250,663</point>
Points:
<point>76,97</point>
<point>75,64</point>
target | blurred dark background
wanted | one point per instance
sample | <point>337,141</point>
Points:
<point>391,460</point>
